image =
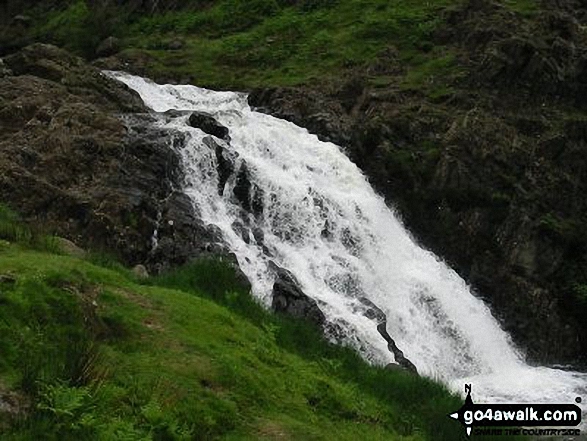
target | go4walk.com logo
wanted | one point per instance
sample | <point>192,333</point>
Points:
<point>518,419</point>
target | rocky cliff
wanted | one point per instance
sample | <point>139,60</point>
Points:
<point>80,156</point>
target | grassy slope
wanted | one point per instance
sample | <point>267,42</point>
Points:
<point>242,44</point>
<point>292,45</point>
<point>98,354</point>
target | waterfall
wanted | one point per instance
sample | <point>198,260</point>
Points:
<point>318,217</point>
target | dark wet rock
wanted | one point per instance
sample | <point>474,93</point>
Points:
<point>206,123</point>
<point>308,108</point>
<point>240,275</point>
<point>226,160</point>
<point>290,299</point>
<point>240,229</point>
<point>182,236</point>
<point>247,193</point>
<point>375,313</point>
<point>259,236</point>
<point>172,114</point>
<point>372,311</point>
<point>397,353</point>
<point>108,47</point>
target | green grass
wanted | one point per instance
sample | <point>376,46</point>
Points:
<point>11,229</point>
<point>97,354</point>
<point>292,45</point>
<point>433,75</point>
<point>242,43</point>
<point>523,7</point>
<point>78,27</point>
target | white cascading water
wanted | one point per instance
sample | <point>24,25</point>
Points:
<point>322,221</point>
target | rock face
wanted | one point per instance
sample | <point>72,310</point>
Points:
<point>64,72</point>
<point>492,177</point>
<point>79,154</point>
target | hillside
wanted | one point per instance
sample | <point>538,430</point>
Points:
<point>92,351</point>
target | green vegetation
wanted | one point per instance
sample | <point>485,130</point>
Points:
<point>92,353</point>
<point>78,26</point>
<point>568,230</point>
<point>524,7</point>
<point>11,229</point>
<point>433,75</point>
<point>239,43</point>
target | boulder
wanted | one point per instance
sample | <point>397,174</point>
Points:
<point>373,312</point>
<point>140,272</point>
<point>207,124</point>
<point>69,248</point>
